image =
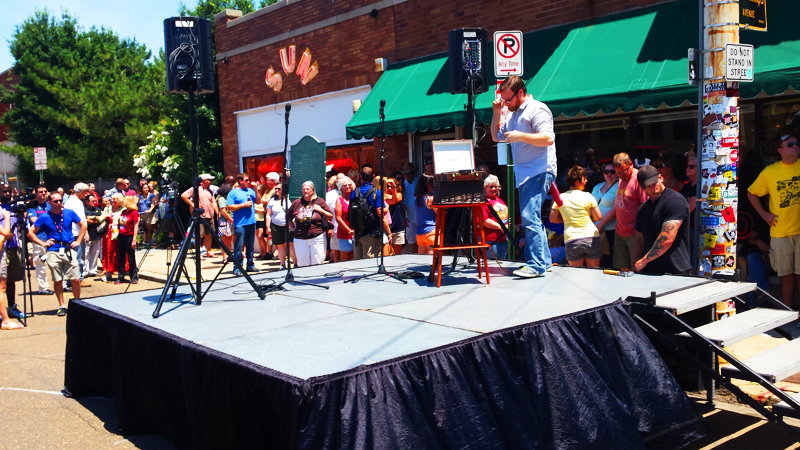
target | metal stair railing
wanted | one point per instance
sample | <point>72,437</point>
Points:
<point>711,371</point>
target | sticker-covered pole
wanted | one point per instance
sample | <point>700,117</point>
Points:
<point>718,146</point>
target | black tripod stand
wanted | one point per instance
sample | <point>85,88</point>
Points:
<point>289,278</point>
<point>23,254</point>
<point>381,267</point>
<point>173,219</point>
<point>193,232</point>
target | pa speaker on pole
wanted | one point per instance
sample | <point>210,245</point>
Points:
<point>468,55</point>
<point>187,45</point>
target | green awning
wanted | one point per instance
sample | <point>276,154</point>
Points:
<point>626,61</point>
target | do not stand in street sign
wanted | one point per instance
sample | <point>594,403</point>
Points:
<point>507,53</point>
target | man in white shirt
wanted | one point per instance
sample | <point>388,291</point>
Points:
<point>75,203</point>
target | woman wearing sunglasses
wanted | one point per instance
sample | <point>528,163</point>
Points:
<point>605,193</point>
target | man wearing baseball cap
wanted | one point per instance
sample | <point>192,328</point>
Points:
<point>208,205</point>
<point>662,227</point>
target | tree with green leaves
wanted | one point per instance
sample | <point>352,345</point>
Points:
<point>89,97</point>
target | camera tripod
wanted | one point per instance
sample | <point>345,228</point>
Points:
<point>178,230</point>
<point>23,255</point>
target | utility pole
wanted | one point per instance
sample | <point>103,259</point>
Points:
<point>718,142</point>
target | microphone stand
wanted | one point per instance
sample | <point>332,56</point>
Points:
<point>381,267</point>
<point>289,278</point>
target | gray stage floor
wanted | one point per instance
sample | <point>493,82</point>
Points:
<point>308,332</point>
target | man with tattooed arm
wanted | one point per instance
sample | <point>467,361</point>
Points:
<point>662,227</point>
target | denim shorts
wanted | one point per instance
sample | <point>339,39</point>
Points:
<point>345,245</point>
<point>585,248</point>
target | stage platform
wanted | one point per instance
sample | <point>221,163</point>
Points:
<point>552,362</point>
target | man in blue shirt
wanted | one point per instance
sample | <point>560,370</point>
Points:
<point>62,259</point>
<point>241,201</point>
<point>39,253</point>
<point>368,244</point>
<point>529,130</point>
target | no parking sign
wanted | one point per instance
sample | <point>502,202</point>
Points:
<point>507,53</point>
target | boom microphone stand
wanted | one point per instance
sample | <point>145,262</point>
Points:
<point>289,278</point>
<point>193,232</point>
<point>381,268</point>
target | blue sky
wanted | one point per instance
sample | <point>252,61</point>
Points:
<point>141,19</point>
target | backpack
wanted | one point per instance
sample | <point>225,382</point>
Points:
<point>360,215</point>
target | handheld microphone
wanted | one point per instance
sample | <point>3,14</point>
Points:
<point>383,103</point>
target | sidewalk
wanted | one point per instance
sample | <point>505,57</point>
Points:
<point>153,265</point>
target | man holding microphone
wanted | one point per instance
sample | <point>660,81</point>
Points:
<point>529,130</point>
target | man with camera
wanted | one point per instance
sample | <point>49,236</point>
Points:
<point>62,259</point>
<point>39,207</point>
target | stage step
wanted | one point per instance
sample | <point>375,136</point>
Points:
<point>783,409</point>
<point>774,364</point>
<point>705,294</point>
<point>744,325</point>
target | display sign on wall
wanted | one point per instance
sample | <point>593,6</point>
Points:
<point>305,68</point>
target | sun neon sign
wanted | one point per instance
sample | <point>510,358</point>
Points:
<point>305,68</point>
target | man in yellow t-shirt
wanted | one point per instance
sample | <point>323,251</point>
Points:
<point>781,181</point>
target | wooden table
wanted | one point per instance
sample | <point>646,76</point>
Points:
<point>477,231</point>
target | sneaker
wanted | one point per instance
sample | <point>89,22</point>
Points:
<point>46,292</point>
<point>91,274</point>
<point>62,311</point>
<point>282,267</point>
<point>236,273</point>
<point>527,273</point>
<point>203,253</point>
<point>136,281</point>
<point>549,268</point>
<point>15,313</point>
<point>68,289</point>
<point>118,282</point>
<point>85,283</point>
<point>252,269</point>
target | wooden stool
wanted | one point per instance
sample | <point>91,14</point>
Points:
<point>477,231</point>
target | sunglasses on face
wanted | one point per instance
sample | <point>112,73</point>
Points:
<point>691,166</point>
<point>793,144</point>
<point>609,172</point>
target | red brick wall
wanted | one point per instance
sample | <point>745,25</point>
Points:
<point>346,51</point>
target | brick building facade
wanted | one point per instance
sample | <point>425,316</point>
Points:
<point>346,37</point>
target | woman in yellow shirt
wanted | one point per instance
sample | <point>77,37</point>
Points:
<point>578,212</point>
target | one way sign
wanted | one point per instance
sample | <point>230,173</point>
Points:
<point>507,53</point>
